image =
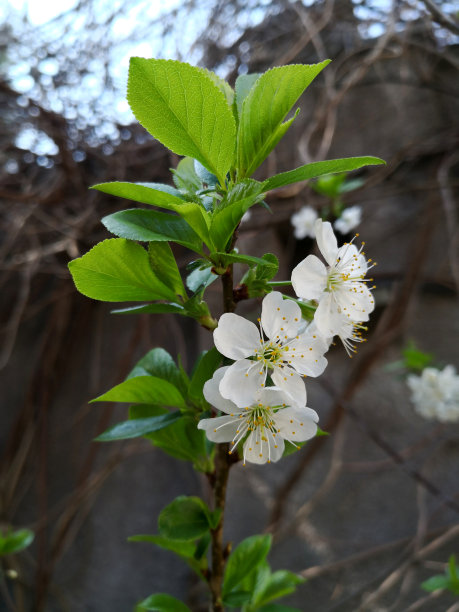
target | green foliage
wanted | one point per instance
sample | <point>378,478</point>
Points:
<point>159,363</point>
<point>264,110</point>
<point>414,359</point>
<point>244,84</point>
<point>144,390</point>
<point>150,226</point>
<point>200,278</point>
<point>257,278</point>
<point>315,169</point>
<point>181,106</point>
<point>163,264</point>
<point>185,177</point>
<point>161,602</point>
<point>204,369</point>
<point>138,427</point>
<point>117,270</point>
<point>243,561</point>
<point>448,581</point>
<point>334,185</point>
<point>186,518</point>
<point>15,541</point>
<point>231,209</point>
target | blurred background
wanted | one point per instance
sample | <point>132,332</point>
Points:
<point>367,513</point>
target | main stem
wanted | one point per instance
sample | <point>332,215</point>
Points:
<point>222,466</point>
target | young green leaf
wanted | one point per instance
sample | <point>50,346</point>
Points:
<point>230,211</point>
<point>329,166</point>
<point>164,265</point>
<point>200,279</point>
<point>15,541</point>
<point>279,584</point>
<point>265,108</point>
<point>235,599</point>
<point>138,427</point>
<point>186,518</point>
<point>159,363</point>
<point>148,193</point>
<point>184,549</point>
<point>144,390</point>
<point>185,177</point>
<point>244,84</point>
<point>182,107</point>
<point>117,270</point>
<point>266,264</point>
<point>151,225</point>
<point>161,602</point>
<point>244,559</point>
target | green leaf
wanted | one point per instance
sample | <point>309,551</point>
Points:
<point>185,177</point>
<point>179,547</point>
<point>144,390</point>
<point>163,264</point>
<point>117,270</point>
<point>265,108</point>
<point>15,541</point>
<point>159,363</point>
<point>161,602</point>
<point>184,441</point>
<point>151,225</point>
<point>436,582</point>
<point>147,193</point>
<point>244,84</point>
<point>151,309</point>
<point>230,211</point>
<point>222,85</point>
<point>269,268</point>
<point>279,584</point>
<point>138,427</point>
<point>237,598</point>
<point>200,279</point>
<point>309,171</point>
<point>452,570</point>
<point>186,518</point>
<point>414,359</point>
<point>182,108</point>
<point>204,369</point>
<point>244,559</point>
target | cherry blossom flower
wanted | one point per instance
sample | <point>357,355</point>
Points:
<point>350,218</point>
<point>268,421</point>
<point>435,394</point>
<point>339,288</point>
<point>287,354</point>
<point>303,222</point>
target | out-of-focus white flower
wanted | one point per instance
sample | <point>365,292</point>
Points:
<point>339,288</point>
<point>435,394</point>
<point>286,355</point>
<point>268,420</point>
<point>303,222</point>
<point>349,220</point>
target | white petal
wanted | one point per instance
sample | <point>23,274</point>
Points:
<point>356,301</point>
<point>214,397</point>
<point>242,381</point>
<point>351,258</point>
<point>279,316</point>
<point>309,278</point>
<point>263,447</point>
<point>221,429</point>
<point>296,424</point>
<point>277,397</point>
<point>306,355</point>
<point>291,383</point>
<point>235,337</point>
<point>327,317</point>
<point>326,241</point>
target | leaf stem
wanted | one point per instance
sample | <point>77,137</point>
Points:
<point>280,283</point>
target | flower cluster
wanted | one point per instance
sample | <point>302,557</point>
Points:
<point>262,393</point>
<point>435,394</point>
<point>304,220</point>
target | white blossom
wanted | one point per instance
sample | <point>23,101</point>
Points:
<point>303,222</point>
<point>350,218</point>
<point>289,352</point>
<point>339,288</point>
<point>435,394</point>
<point>267,420</point>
